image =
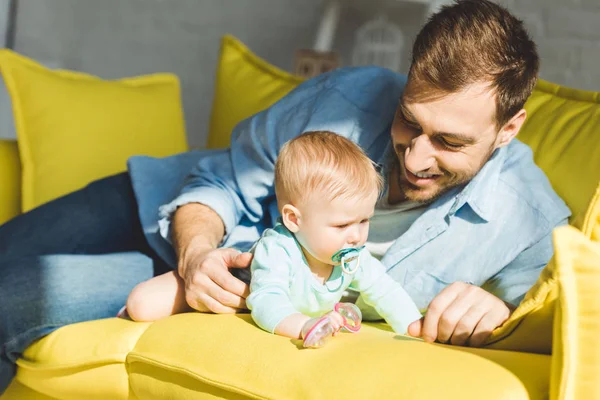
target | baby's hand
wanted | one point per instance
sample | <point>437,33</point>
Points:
<point>336,320</point>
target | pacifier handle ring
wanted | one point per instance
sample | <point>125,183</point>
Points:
<point>348,271</point>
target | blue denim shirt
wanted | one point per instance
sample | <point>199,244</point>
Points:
<point>494,232</point>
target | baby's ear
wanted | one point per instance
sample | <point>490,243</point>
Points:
<point>291,217</point>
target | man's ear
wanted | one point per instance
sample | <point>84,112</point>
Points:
<point>291,217</point>
<point>511,129</point>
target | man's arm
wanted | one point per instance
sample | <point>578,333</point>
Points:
<point>195,226</point>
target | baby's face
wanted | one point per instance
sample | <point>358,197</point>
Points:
<point>329,226</point>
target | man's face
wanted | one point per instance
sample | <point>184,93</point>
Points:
<point>442,143</point>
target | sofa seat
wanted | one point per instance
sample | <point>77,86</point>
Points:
<point>199,356</point>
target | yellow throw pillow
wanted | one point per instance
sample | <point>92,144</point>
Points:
<point>245,84</point>
<point>591,222</point>
<point>576,350</point>
<point>562,129</point>
<point>10,180</point>
<point>74,128</point>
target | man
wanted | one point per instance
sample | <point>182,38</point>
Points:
<point>464,225</point>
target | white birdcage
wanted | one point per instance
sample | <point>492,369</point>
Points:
<point>379,42</point>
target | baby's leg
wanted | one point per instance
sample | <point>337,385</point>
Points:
<point>157,298</point>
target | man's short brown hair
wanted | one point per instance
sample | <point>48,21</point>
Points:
<point>474,41</point>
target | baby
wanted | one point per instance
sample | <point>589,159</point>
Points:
<point>326,190</point>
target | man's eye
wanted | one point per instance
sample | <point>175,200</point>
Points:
<point>450,145</point>
<point>344,226</point>
<point>409,124</point>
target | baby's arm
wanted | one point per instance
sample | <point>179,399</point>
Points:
<point>291,326</point>
<point>269,299</point>
<point>387,296</point>
<point>157,298</point>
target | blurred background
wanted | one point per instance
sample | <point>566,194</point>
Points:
<point>119,38</point>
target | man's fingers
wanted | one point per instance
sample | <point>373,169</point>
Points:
<point>225,297</point>
<point>224,279</point>
<point>214,306</point>
<point>465,327</point>
<point>234,259</point>
<point>486,326</point>
<point>457,314</point>
<point>414,329</point>
<point>438,305</point>
<point>242,260</point>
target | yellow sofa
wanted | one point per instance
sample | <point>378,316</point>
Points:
<point>548,349</point>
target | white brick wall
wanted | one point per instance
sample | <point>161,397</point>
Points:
<point>567,33</point>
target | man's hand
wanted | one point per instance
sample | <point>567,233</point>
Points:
<point>209,286</point>
<point>461,314</point>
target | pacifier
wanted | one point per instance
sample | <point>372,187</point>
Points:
<point>317,331</point>
<point>345,256</point>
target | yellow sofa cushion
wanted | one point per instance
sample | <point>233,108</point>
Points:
<point>81,361</point>
<point>10,180</point>
<point>562,129</point>
<point>590,225</point>
<point>229,357</point>
<point>245,84</point>
<point>576,350</point>
<point>74,128</point>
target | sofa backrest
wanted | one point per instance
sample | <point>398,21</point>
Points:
<point>563,129</point>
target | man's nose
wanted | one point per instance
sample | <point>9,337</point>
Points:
<point>420,156</point>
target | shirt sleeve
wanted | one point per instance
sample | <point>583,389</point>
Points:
<point>513,281</point>
<point>382,292</point>
<point>269,299</point>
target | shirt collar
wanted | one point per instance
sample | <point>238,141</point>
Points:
<point>479,193</point>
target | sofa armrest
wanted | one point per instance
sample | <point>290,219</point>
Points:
<point>10,180</point>
<point>576,349</point>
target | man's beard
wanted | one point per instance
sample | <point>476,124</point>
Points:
<point>451,181</point>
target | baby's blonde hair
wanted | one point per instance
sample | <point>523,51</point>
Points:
<point>326,163</point>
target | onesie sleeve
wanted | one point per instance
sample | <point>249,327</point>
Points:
<point>269,299</point>
<point>382,292</point>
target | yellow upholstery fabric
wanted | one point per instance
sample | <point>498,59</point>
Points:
<point>10,180</point>
<point>19,391</point>
<point>72,362</point>
<point>231,358</point>
<point>562,128</point>
<point>529,328</point>
<point>591,222</point>
<point>576,351</point>
<point>74,128</point>
<point>245,84</point>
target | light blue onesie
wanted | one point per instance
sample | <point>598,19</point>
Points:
<point>282,284</point>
